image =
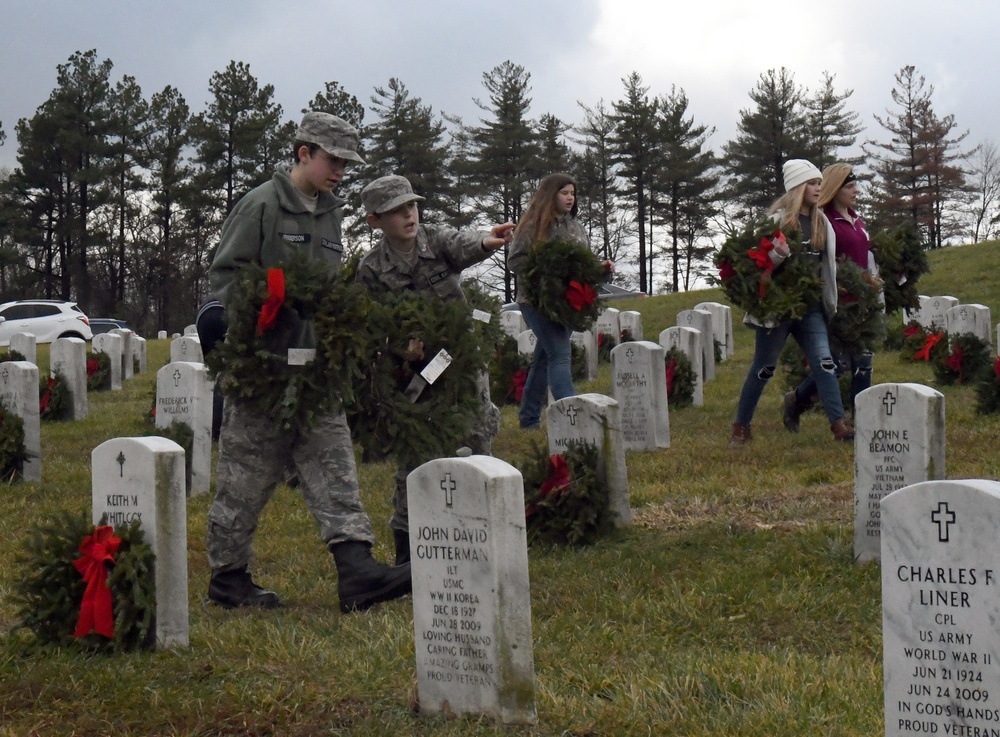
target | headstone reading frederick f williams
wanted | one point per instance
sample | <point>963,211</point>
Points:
<point>19,393</point>
<point>722,325</point>
<point>184,394</point>
<point>24,343</point>
<point>688,342</point>
<point>471,598</point>
<point>639,385</point>
<point>701,320</point>
<point>68,358</point>
<point>111,345</point>
<point>595,419</point>
<point>898,440</point>
<point>143,479</point>
<point>940,608</point>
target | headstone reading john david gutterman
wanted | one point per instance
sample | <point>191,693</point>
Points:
<point>940,608</point>
<point>471,598</point>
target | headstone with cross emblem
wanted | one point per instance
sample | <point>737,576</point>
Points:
<point>24,343</point>
<point>110,344</point>
<point>142,479</point>
<point>972,319</point>
<point>526,343</point>
<point>19,394</point>
<point>186,348</point>
<point>608,325</point>
<point>139,354</point>
<point>128,370</point>
<point>512,322</point>
<point>190,330</point>
<point>701,320</point>
<point>184,394</point>
<point>587,340</point>
<point>471,598</point>
<point>940,607</point>
<point>632,321</point>
<point>722,325</point>
<point>639,385</point>
<point>68,359</point>
<point>934,312</point>
<point>595,419</point>
<point>688,342</point>
<point>899,440</point>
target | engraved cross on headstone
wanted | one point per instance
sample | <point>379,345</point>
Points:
<point>943,517</point>
<point>964,314</point>
<point>629,353</point>
<point>889,400</point>
<point>121,464</point>
<point>448,485</point>
<point>571,413</point>
<point>177,378</point>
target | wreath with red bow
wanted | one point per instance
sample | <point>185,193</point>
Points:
<point>751,281</point>
<point>681,378</point>
<point>55,400</point>
<point>561,281</point>
<point>963,359</point>
<point>98,372</point>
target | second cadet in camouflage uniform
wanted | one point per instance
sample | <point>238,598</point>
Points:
<point>428,259</point>
<point>294,213</point>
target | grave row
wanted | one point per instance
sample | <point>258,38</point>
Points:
<point>946,313</point>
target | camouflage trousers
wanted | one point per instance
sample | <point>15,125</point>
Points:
<point>480,442</point>
<point>254,456</point>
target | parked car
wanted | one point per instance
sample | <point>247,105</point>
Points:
<point>100,325</point>
<point>46,319</point>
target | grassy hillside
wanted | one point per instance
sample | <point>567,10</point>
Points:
<point>732,607</point>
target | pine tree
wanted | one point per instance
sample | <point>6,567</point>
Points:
<point>594,170</point>
<point>831,126</point>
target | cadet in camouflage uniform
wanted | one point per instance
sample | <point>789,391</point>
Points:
<point>294,213</point>
<point>428,259</point>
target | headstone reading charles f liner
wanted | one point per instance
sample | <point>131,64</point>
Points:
<point>639,385</point>
<point>940,609</point>
<point>595,419</point>
<point>24,343</point>
<point>722,325</point>
<point>111,345</point>
<point>143,479</point>
<point>184,394</point>
<point>688,342</point>
<point>898,440</point>
<point>471,598</point>
<point>68,358</point>
<point>701,320</point>
<point>19,393</point>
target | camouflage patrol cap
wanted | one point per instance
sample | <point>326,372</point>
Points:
<point>332,134</point>
<point>387,193</point>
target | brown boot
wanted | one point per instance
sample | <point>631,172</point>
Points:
<point>741,434</point>
<point>842,430</point>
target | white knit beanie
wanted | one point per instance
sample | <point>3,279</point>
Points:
<point>797,171</point>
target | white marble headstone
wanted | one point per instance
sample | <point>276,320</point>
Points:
<point>639,385</point>
<point>187,348</point>
<point>19,393</point>
<point>899,439</point>
<point>632,321</point>
<point>471,595</point>
<point>111,345</point>
<point>526,343</point>
<point>127,338</point>
<point>161,335</point>
<point>512,322</point>
<point>68,358</point>
<point>940,609</point>
<point>190,330</point>
<point>688,342</point>
<point>143,479</point>
<point>914,315</point>
<point>933,312</point>
<point>701,320</point>
<point>722,325</point>
<point>24,343</point>
<point>184,394</point>
<point>139,354</point>
<point>973,319</point>
<point>609,324</point>
<point>587,340</point>
<point>595,419</point>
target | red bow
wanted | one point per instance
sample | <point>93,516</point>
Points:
<point>761,257</point>
<point>996,367</point>
<point>671,373</point>
<point>913,328</point>
<point>275,298</point>
<point>558,478</point>
<point>726,271</point>
<point>580,295</point>
<point>43,401</point>
<point>517,382</point>
<point>924,354</point>
<point>93,365</point>
<point>96,552</point>
<point>954,361</point>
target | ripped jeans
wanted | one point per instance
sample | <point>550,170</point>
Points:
<point>860,368</point>
<point>810,333</point>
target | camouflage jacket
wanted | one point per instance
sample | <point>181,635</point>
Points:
<point>442,254</point>
<point>566,229</point>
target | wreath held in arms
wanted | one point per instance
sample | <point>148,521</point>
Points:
<point>561,280</point>
<point>268,312</point>
<point>901,261</point>
<point>860,320</point>
<point>750,279</point>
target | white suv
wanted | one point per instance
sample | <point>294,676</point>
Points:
<point>46,319</point>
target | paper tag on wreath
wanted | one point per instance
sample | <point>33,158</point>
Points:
<point>436,367</point>
<point>301,356</point>
<point>482,316</point>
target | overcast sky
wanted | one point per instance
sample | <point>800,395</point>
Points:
<point>575,51</point>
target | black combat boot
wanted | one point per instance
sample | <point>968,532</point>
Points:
<point>402,539</point>
<point>233,589</point>
<point>362,581</point>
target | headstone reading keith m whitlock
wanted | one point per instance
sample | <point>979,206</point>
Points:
<point>608,324</point>
<point>688,342</point>
<point>639,385</point>
<point>184,394</point>
<point>898,440</point>
<point>143,479</point>
<point>595,419</point>
<point>940,608</point>
<point>68,358</point>
<point>19,392</point>
<point>471,598</point>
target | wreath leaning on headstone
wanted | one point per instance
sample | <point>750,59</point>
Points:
<point>11,355</point>
<point>964,360</point>
<point>561,281</point>
<point>605,343</point>
<point>681,378</point>
<point>565,502</point>
<point>750,279</point>
<point>98,372</point>
<point>988,391</point>
<point>56,560</point>
<point>55,400</point>
<point>13,453</point>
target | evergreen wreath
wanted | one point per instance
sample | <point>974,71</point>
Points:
<point>55,400</point>
<point>605,343</point>
<point>625,336</point>
<point>382,418</point>
<point>901,261</point>
<point>860,320</point>
<point>49,593</point>
<point>493,332</point>
<point>988,390</point>
<point>577,362</point>
<point>561,281</point>
<point>565,502</point>
<point>12,355</point>
<point>13,453</point>
<point>681,378</point>
<point>767,292</point>
<point>508,372</point>
<point>965,359</point>
<point>98,372</point>
<point>252,363</point>
<point>180,433</point>
<point>912,340</point>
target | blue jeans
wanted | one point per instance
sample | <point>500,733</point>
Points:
<point>810,333</point>
<point>860,366</point>
<point>550,366</point>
